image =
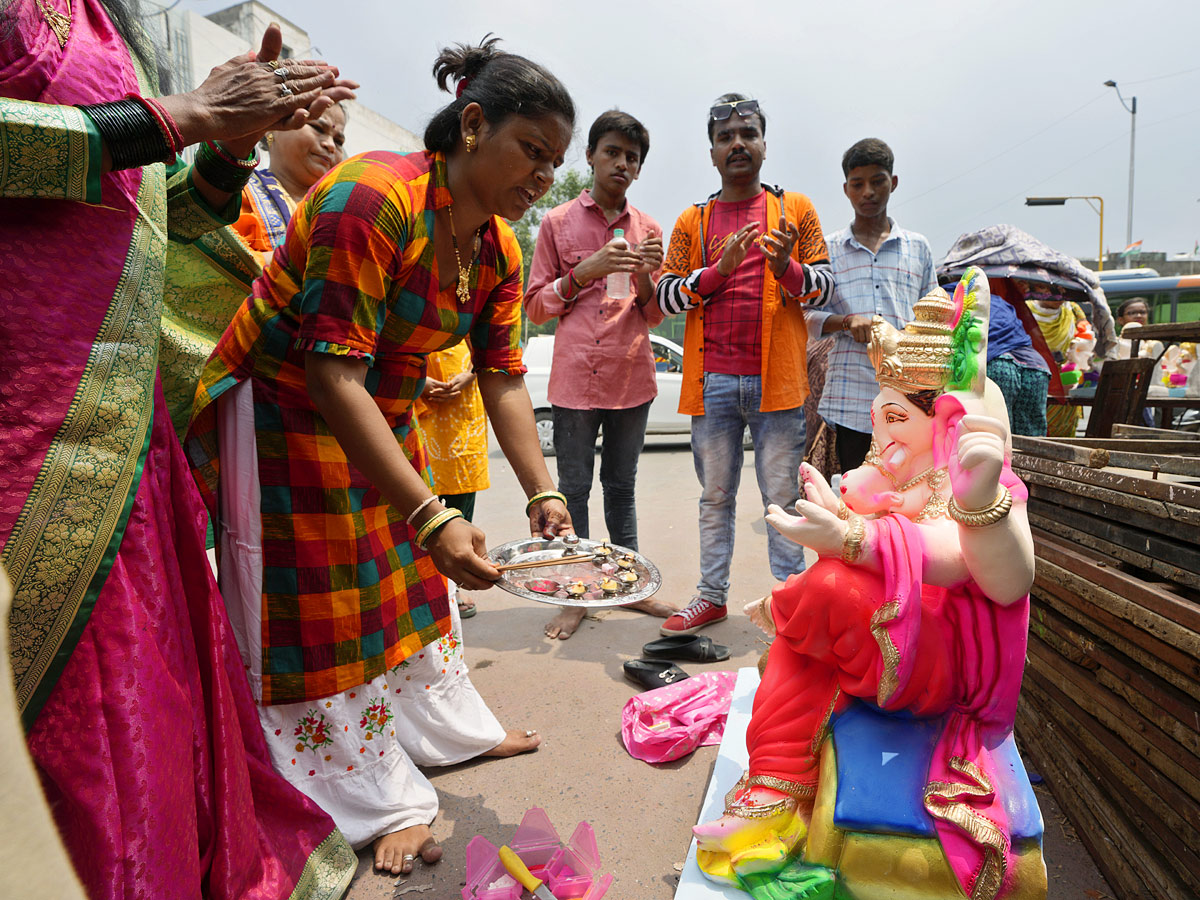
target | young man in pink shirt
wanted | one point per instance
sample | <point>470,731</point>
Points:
<point>603,368</point>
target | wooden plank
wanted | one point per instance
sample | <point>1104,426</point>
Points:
<point>1116,551</point>
<point>1162,815</point>
<point>1170,513</point>
<point>1114,831</point>
<point>1098,458</point>
<point>1170,517</point>
<point>1154,698</point>
<point>1166,331</point>
<point>1162,659</point>
<point>1176,619</point>
<point>1138,445</point>
<point>1123,482</point>
<point>1177,546</point>
<point>1092,818</point>
<point>1144,740</point>
<point>1165,434</point>
<point>1176,557</point>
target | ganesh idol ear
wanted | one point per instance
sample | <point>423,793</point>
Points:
<point>968,361</point>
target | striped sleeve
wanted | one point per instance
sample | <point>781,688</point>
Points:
<point>677,289</point>
<point>818,284</point>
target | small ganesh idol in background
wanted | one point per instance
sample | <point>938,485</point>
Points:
<point>1079,354</point>
<point>882,760</point>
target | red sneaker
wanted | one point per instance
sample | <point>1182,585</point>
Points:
<point>698,614</point>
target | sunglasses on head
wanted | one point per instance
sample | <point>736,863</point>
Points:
<point>722,111</point>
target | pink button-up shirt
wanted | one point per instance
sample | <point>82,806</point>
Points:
<point>602,355</point>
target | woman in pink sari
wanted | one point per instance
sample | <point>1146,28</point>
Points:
<point>131,689</point>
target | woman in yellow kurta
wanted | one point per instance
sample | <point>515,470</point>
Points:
<point>1058,320</point>
<point>452,419</point>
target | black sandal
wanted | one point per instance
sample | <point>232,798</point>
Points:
<point>651,673</point>
<point>692,647</point>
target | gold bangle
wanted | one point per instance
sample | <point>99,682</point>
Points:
<point>843,510</point>
<point>978,518</point>
<point>852,543</point>
<point>544,495</point>
<point>435,522</point>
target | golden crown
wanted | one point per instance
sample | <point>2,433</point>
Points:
<point>917,358</point>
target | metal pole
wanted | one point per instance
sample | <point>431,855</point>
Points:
<point>1100,255</point>
<point>1129,216</point>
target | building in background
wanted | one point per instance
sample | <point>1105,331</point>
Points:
<point>197,43</point>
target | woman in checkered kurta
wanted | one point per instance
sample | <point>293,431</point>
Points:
<point>350,643</point>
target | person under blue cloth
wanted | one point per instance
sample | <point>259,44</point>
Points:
<point>1016,367</point>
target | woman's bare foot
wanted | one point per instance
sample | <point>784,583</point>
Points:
<point>396,852</point>
<point>654,608</point>
<point>563,625</point>
<point>517,740</point>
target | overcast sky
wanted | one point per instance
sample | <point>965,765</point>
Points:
<point>983,103</point>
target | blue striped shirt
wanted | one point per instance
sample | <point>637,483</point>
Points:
<point>885,284</point>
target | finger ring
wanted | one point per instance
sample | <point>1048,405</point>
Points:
<point>282,74</point>
<point>273,64</point>
<point>285,91</point>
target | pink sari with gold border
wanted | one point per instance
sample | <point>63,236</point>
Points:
<point>139,716</point>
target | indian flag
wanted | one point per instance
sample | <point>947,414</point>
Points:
<point>1133,248</point>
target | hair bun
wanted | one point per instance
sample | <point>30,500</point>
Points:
<point>464,61</point>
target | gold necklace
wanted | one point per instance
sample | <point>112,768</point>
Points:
<point>59,23</point>
<point>463,289</point>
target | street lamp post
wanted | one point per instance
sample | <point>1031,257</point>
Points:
<point>1131,108</point>
<point>1062,201</point>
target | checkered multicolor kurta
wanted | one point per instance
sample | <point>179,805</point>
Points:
<point>346,592</point>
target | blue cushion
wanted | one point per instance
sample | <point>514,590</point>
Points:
<point>883,767</point>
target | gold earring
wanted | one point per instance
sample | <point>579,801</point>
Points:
<point>469,140</point>
<point>270,139</point>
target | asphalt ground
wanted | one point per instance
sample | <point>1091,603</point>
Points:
<point>573,692</point>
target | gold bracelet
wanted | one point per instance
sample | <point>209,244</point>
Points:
<point>544,495</point>
<point>978,518</point>
<point>852,543</point>
<point>426,531</point>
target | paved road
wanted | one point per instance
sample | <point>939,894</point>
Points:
<point>573,692</point>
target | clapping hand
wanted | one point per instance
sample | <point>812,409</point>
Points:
<point>736,248</point>
<point>245,97</point>
<point>778,245</point>
<point>651,252</point>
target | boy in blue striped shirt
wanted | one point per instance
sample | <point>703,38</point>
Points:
<point>879,270</point>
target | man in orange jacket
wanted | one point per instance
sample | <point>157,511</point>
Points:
<point>743,264</point>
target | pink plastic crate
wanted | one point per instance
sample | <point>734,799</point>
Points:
<point>571,871</point>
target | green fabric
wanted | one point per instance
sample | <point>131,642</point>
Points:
<point>189,215</point>
<point>48,152</point>
<point>797,880</point>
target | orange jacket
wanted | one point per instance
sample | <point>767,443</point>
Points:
<point>784,364</point>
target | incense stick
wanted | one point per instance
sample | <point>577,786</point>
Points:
<point>539,563</point>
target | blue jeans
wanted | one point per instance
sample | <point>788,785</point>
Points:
<point>575,433</point>
<point>731,402</point>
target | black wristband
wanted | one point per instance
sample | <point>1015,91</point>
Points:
<point>220,173</point>
<point>133,137</point>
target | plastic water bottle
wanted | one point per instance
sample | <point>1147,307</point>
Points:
<point>617,285</point>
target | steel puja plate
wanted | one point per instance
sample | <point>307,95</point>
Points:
<point>602,580</point>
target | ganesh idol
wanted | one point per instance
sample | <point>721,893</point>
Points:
<point>912,625</point>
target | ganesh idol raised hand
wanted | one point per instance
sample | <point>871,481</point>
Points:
<point>918,603</point>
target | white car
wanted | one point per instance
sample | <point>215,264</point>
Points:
<point>665,417</point>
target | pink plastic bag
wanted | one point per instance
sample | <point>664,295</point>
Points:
<point>672,721</point>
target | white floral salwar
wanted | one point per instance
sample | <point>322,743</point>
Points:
<point>355,753</point>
